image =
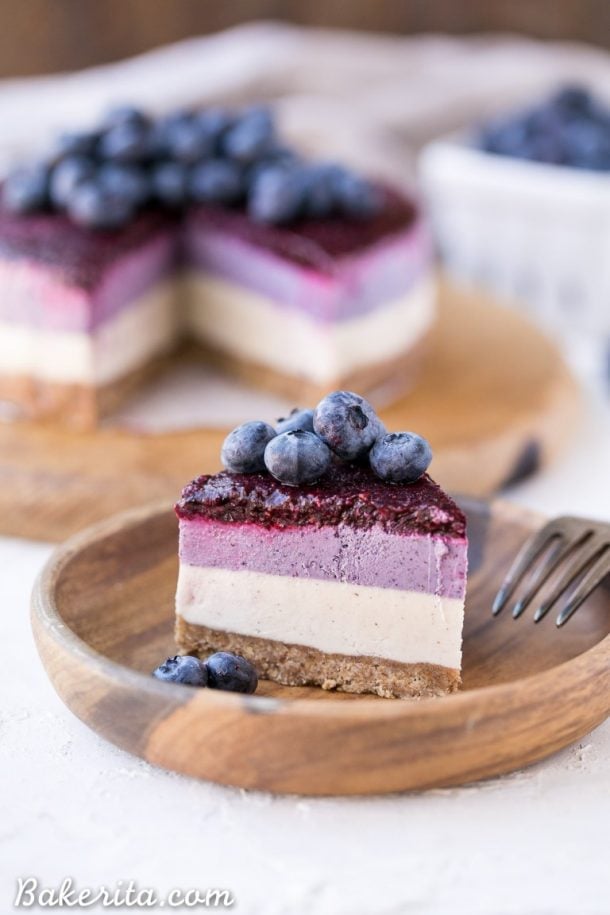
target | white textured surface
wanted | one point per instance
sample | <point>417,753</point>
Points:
<point>532,843</point>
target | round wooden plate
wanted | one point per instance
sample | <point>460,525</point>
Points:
<point>103,617</point>
<point>494,395</point>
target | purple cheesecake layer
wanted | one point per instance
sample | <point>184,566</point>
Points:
<point>68,278</point>
<point>331,269</point>
<point>348,495</point>
<point>371,557</point>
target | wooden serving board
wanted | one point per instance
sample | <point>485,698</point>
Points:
<point>103,615</point>
<point>494,399</point>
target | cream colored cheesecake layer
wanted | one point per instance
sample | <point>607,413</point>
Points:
<point>140,331</point>
<point>249,326</point>
<point>333,617</point>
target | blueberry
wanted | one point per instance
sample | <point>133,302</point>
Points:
<point>129,141</point>
<point>183,669</point>
<point>276,196</point>
<point>243,449</point>
<point>231,672</point>
<point>586,146</point>
<point>66,176</point>
<point>126,114</point>
<point>216,181</point>
<point>215,122</point>
<point>26,190</point>
<point>573,99</point>
<point>187,141</point>
<point>250,137</point>
<point>170,183</point>
<point>356,196</point>
<point>297,457</point>
<point>348,424</point>
<point>92,206</point>
<point>320,198</point>
<point>298,419</point>
<point>400,457</point>
<point>128,181</point>
<point>75,144</point>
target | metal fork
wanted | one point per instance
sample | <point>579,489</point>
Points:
<point>575,547</point>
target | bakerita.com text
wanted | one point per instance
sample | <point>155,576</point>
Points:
<point>124,894</point>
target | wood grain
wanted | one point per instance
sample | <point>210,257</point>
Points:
<point>102,615</point>
<point>494,399</point>
<point>43,35</point>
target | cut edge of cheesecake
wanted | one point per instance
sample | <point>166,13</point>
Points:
<point>327,618</point>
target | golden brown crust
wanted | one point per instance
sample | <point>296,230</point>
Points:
<point>298,665</point>
<point>81,406</point>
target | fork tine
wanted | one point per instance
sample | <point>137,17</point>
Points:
<point>528,554</point>
<point>548,566</point>
<point>595,575</point>
<point>575,568</point>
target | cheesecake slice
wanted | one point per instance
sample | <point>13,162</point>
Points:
<point>350,583</point>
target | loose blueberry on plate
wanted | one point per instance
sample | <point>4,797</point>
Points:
<point>400,457</point>
<point>183,669</point>
<point>231,672</point>
<point>243,450</point>
<point>26,190</point>
<point>298,419</point>
<point>348,424</point>
<point>297,457</point>
<point>216,181</point>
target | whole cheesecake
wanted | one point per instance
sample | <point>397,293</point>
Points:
<point>348,583</point>
<point>264,263</point>
<point>297,309</point>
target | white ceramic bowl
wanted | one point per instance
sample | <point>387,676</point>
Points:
<point>537,235</point>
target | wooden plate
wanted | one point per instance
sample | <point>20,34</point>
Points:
<point>494,395</point>
<point>103,615</point>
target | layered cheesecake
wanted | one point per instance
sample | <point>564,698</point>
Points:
<point>328,303</point>
<point>349,583</point>
<point>324,303</point>
<point>203,228</point>
<point>83,315</point>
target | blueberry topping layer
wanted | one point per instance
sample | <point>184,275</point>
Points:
<point>348,494</point>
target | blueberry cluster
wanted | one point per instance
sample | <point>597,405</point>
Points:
<point>222,670</point>
<point>571,128</point>
<point>302,447</point>
<point>101,178</point>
